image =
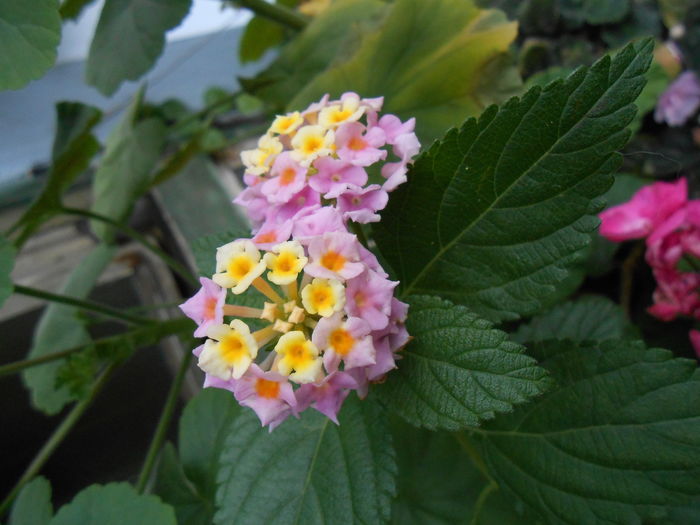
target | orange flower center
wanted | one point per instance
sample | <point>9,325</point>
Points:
<point>266,237</point>
<point>357,144</point>
<point>267,389</point>
<point>342,341</point>
<point>287,176</point>
<point>333,261</point>
<point>210,308</point>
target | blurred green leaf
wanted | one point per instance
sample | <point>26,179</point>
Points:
<point>124,174</point>
<point>495,214</point>
<point>33,504</point>
<point>114,504</point>
<point>309,470</point>
<point>439,485</point>
<point>61,329</point>
<point>188,482</point>
<point>7,263</point>
<point>617,441</point>
<point>408,58</point>
<point>129,38</point>
<point>71,9</point>
<point>29,35</point>
<point>657,82</point>
<point>458,370</point>
<point>588,318</point>
<point>643,20</point>
<point>260,34</point>
<point>73,148</point>
<point>594,12</point>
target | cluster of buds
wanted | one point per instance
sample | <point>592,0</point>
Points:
<point>311,171</point>
<point>662,214</point>
<point>328,323</point>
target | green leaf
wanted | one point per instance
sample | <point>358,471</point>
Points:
<point>616,442</point>
<point>657,82</point>
<point>409,57</point>
<point>114,504</point>
<point>33,504</point>
<point>495,214</point>
<point>71,9</point>
<point>439,485</point>
<point>458,370</point>
<point>188,483</point>
<point>129,38</point>
<point>204,248</point>
<point>308,471</point>
<point>73,148</point>
<point>260,35</point>
<point>589,318</point>
<point>29,35</point>
<point>327,36</point>
<point>61,329</point>
<point>594,12</point>
<point>7,263</point>
<point>125,172</point>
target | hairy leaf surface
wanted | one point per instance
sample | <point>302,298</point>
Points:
<point>308,471</point>
<point>495,214</point>
<point>458,370</point>
<point>617,441</point>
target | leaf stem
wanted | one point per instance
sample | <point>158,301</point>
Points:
<point>163,423</point>
<point>486,491</point>
<point>80,303</point>
<point>276,12</point>
<point>627,279</point>
<point>167,259</point>
<point>474,455</point>
<point>56,438</point>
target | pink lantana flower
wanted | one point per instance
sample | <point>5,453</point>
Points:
<point>206,307</point>
<point>349,341</point>
<point>288,179</point>
<point>272,233</point>
<point>319,221</point>
<point>359,146</point>
<point>680,101</point>
<point>334,175</point>
<point>335,255</point>
<point>269,394</point>
<point>361,204</point>
<point>647,209</point>
<point>368,296</point>
<point>328,395</point>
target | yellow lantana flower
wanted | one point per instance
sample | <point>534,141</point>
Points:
<point>285,262</point>
<point>229,351</point>
<point>323,297</point>
<point>238,264</point>
<point>296,353</point>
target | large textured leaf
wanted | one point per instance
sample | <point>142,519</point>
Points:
<point>458,370</point>
<point>60,329</point>
<point>308,471</point>
<point>616,442</point>
<point>438,484</point>
<point>125,172</point>
<point>589,318</point>
<point>129,38</point>
<point>33,504</point>
<point>7,262</point>
<point>410,56</point>
<point>73,148</point>
<point>29,35</point>
<point>494,214</point>
<point>114,504</point>
<point>188,483</point>
<point>327,36</point>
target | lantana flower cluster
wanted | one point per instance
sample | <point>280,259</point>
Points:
<point>312,315</point>
<point>312,170</point>
<point>662,214</point>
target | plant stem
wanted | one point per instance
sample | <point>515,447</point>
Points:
<point>163,423</point>
<point>80,303</point>
<point>18,366</point>
<point>357,230</point>
<point>276,12</point>
<point>56,438</point>
<point>172,263</point>
<point>628,278</point>
<point>488,489</point>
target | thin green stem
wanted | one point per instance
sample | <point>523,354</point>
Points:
<point>18,366</point>
<point>89,306</point>
<point>357,229</point>
<point>474,455</point>
<point>167,259</point>
<point>163,423</point>
<point>276,12</point>
<point>481,500</point>
<point>56,438</point>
